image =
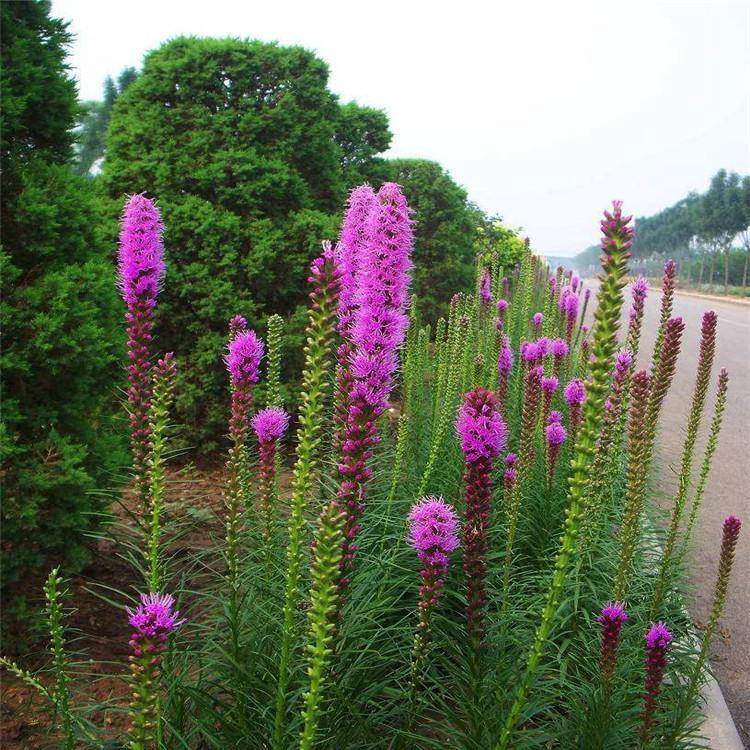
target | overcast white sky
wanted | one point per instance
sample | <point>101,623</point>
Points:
<point>544,111</point>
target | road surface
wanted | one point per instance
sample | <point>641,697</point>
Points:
<point>728,488</point>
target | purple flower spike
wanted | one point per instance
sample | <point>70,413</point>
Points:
<point>529,351</point>
<point>433,529</point>
<point>554,416</point>
<point>352,241</point>
<point>640,289</point>
<point>244,353</point>
<point>505,359</point>
<point>377,332</point>
<point>575,392</point>
<point>481,429</point>
<point>555,434</point>
<point>658,639</point>
<point>549,385</point>
<point>511,459</point>
<point>612,618</point>
<point>140,275</point>
<point>559,348</point>
<point>270,424</point>
<point>382,296</point>
<point>502,305</point>
<point>537,320</point>
<point>141,255</point>
<point>485,289</point>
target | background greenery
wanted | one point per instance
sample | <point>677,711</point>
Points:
<point>250,156</point>
<point>62,338</point>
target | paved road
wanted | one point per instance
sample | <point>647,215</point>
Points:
<point>728,488</point>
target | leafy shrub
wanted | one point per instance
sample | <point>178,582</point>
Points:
<point>61,321</point>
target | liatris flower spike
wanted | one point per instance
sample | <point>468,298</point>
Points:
<point>658,639</point>
<point>483,435</point>
<point>141,271</point>
<point>611,619</point>
<point>549,386</point>
<point>502,307</point>
<point>269,426</point>
<point>555,435</point>
<point>325,279</point>
<point>352,243</point>
<point>504,368</point>
<point>378,329</point>
<point>152,621</point>
<point>537,320</point>
<point>244,352</point>
<point>485,289</point>
<point>575,395</point>
<point>729,537</point>
<point>559,348</point>
<point>433,532</point>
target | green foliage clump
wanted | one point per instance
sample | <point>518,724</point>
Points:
<point>494,239</point>
<point>60,314</point>
<point>250,156</point>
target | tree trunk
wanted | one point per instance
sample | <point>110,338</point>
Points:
<point>726,271</point>
<point>700,269</point>
<point>744,273</point>
<point>689,272</point>
<point>711,272</point>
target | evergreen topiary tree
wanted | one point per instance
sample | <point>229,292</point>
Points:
<point>250,155</point>
<point>60,315</point>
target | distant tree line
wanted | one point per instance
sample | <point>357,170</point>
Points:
<point>708,234</point>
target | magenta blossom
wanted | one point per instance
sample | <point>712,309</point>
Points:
<point>511,459</point>
<point>554,416</point>
<point>352,242</point>
<point>244,353</point>
<point>575,392</point>
<point>141,266</point>
<point>270,424</point>
<point>559,348</point>
<point>658,637</point>
<point>529,351</point>
<point>555,434</point>
<point>640,289</point>
<point>549,385</point>
<point>433,529</point>
<point>505,358</point>
<point>154,618</point>
<point>502,305</point>
<point>611,619</point>
<point>481,429</point>
<point>537,319</point>
<point>485,289</point>
<point>382,296</point>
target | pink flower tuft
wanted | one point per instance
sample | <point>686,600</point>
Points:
<point>244,353</point>
<point>481,429</point>
<point>141,266</point>
<point>270,424</point>
<point>433,529</point>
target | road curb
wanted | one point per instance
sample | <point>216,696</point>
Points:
<point>719,728</point>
